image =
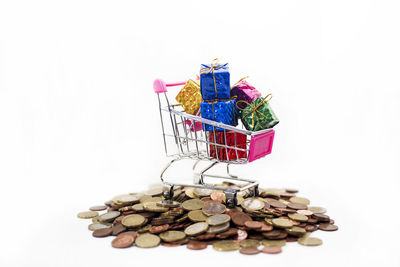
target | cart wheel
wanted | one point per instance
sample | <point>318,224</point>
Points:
<point>254,192</point>
<point>231,201</point>
<point>168,192</point>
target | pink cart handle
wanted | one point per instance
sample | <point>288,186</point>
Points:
<point>161,87</point>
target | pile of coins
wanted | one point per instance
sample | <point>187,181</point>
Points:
<point>198,217</point>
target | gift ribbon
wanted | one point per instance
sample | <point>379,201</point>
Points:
<point>244,78</point>
<point>255,109</point>
<point>212,68</point>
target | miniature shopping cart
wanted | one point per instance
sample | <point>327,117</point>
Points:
<point>190,141</point>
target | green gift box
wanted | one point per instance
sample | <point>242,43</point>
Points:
<point>258,115</point>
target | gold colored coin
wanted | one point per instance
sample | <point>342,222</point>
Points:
<point>317,209</point>
<point>88,214</point>
<point>134,220</point>
<point>172,236</point>
<point>300,200</point>
<point>282,223</point>
<point>189,192</point>
<point>151,199</point>
<point>226,245</point>
<point>273,243</point>
<point>197,216</point>
<point>196,229</point>
<point>252,204</point>
<point>249,243</point>
<point>153,207</point>
<point>147,241</point>
<point>298,217</point>
<point>144,229</point>
<point>193,204</point>
<point>310,241</point>
<point>218,219</point>
<point>239,200</point>
<point>138,207</point>
<point>168,203</point>
<point>96,226</point>
<point>126,199</point>
<point>296,231</point>
<point>154,191</point>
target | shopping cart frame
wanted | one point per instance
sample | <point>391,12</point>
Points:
<point>187,130</point>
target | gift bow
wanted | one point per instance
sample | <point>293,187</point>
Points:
<point>211,69</point>
<point>255,109</point>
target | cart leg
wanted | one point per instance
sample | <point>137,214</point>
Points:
<point>231,198</point>
<point>168,192</point>
<point>254,192</point>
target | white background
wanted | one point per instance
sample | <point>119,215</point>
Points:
<point>79,121</point>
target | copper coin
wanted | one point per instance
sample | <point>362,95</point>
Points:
<point>297,206</point>
<point>122,241</point>
<point>271,250</point>
<point>327,227</point>
<point>291,190</point>
<point>287,195</point>
<point>206,236</point>
<point>239,218</point>
<point>249,251</point>
<point>256,236</point>
<point>196,245</point>
<point>131,233</point>
<point>311,228</point>
<point>254,224</point>
<point>331,221</point>
<point>98,208</point>
<point>277,204</point>
<point>266,228</point>
<point>102,232</point>
<point>291,239</point>
<point>118,228</point>
<point>228,233</point>
<point>272,234</point>
<point>241,235</point>
<point>312,220</point>
<point>321,217</point>
<point>159,229</point>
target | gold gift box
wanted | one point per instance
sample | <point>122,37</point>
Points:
<point>190,97</point>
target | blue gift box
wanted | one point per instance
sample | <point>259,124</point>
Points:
<point>222,87</point>
<point>223,111</point>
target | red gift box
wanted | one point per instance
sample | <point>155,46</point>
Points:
<point>230,141</point>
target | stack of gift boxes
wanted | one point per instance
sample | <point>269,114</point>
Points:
<point>215,100</point>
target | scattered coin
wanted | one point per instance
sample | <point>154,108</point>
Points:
<point>317,209</point>
<point>252,204</point>
<point>102,232</point>
<point>321,217</point>
<point>239,218</point>
<point>310,241</point>
<point>168,203</point>
<point>98,208</point>
<point>196,245</point>
<point>196,229</point>
<point>282,223</point>
<point>291,190</point>
<point>327,227</point>
<point>300,200</point>
<point>297,206</point>
<point>216,229</point>
<point>109,216</point>
<point>147,241</point>
<point>193,204</point>
<point>172,236</point>
<point>189,192</point>
<point>122,241</point>
<point>154,207</point>
<point>246,243</point>
<point>88,214</point>
<point>298,217</point>
<point>254,224</point>
<point>213,209</point>
<point>273,243</point>
<point>226,245</point>
<point>218,196</point>
<point>305,212</point>
<point>202,192</point>
<point>296,231</point>
<point>95,226</point>
<point>249,250</point>
<point>133,220</point>
<point>218,219</point>
<point>197,216</point>
<point>271,250</point>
